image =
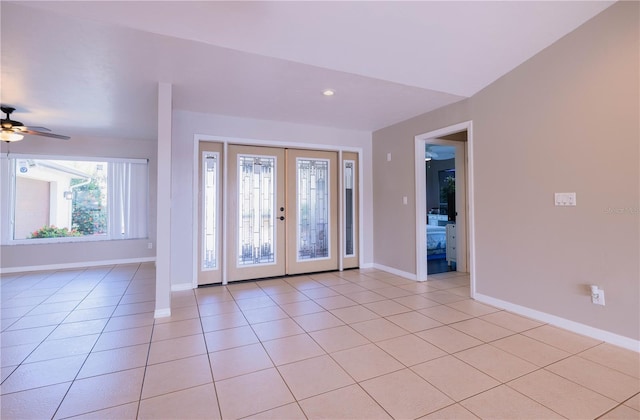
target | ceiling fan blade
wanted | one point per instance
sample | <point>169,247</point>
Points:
<point>34,128</point>
<point>52,135</point>
<point>10,125</point>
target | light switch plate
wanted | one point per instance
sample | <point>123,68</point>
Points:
<point>565,199</point>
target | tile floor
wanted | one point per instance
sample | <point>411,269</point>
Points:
<point>361,344</point>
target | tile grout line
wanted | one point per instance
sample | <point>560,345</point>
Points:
<point>94,344</point>
<point>275,366</point>
<point>622,404</point>
<point>206,347</point>
<point>92,347</point>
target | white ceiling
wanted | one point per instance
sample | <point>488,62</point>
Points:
<point>85,67</point>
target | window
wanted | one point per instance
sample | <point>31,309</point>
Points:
<point>349,209</point>
<point>256,210</point>
<point>313,208</point>
<point>71,199</point>
<point>209,210</point>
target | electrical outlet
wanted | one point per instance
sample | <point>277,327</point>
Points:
<point>150,245</point>
<point>597,295</point>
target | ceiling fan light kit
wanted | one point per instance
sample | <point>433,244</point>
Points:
<point>10,136</point>
<point>13,130</point>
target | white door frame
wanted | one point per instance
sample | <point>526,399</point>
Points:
<point>421,141</point>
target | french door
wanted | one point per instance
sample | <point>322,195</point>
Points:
<point>256,219</point>
<point>275,211</point>
<point>312,215</point>
<point>283,217</point>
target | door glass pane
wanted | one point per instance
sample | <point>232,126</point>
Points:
<point>256,207</point>
<point>209,204</point>
<point>349,209</point>
<point>313,208</point>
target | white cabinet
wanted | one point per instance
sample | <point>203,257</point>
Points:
<point>451,243</point>
<point>437,219</point>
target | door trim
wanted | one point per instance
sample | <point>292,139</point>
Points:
<point>421,205</point>
<point>197,138</point>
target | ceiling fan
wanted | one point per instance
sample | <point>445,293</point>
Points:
<point>13,130</point>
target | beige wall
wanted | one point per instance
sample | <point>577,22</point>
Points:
<point>567,120</point>
<point>13,257</point>
<point>393,220</point>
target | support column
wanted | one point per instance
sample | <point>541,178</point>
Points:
<point>163,245</point>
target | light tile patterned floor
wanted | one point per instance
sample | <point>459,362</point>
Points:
<point>361,344</point>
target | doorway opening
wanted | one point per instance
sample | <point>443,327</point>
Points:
<point>440,172</point>
<point>444,210</point>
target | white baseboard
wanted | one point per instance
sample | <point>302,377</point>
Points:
<point>66,266</point>
<point>576,327</point>
<point>410,276</point>
<point>162,313</point>
<point>181,287</point>
<point>366,265</point>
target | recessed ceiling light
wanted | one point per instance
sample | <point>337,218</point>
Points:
<point>328,92</point>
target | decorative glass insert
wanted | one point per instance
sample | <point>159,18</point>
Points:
<point>313,208</point>
<point>256,210</point>
<point>349,209</point>
<point>209,211</point>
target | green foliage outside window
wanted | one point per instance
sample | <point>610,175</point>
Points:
<point>54,232</point>
<point>89,216</point>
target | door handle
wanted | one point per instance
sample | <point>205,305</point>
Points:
<point>281,217</point>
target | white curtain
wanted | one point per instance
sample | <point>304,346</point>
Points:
<point>127,199</point>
